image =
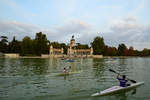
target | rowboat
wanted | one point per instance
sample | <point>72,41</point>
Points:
<point>68,73</point>
<point>117,89</point>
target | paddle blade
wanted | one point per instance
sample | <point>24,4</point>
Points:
<point>133,81</point>
<point>112,70</point>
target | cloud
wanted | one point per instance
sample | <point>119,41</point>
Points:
<point>13,28</point>
<point>73,26</point>
<point>130,19</point>
<point>60,33</point>
<point>130,32</point>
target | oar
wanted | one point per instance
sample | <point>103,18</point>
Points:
<point>133,81</point>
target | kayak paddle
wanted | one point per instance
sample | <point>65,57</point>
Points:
<point>133,81</point>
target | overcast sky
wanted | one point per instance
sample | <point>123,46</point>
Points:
<point>117,21</point>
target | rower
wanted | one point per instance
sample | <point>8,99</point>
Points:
<point>123,81</point>
<point>65,70</point>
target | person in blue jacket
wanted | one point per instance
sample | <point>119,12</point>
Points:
<point>123,81</point>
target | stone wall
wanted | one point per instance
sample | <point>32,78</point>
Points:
<point>45,55</point>
<point>74,56</point>
<point>97,56</point>
<point>11,55</point>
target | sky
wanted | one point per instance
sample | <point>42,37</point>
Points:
<point>117,21</point>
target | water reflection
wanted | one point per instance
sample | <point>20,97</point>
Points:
<point>122,63</point>
<point>134,92</point>
<point>34,66</point>
<point>121,96</point>
<point>27,79</point>
<point>98,67</point>
<point>72,65</point>
<point>124,95</point>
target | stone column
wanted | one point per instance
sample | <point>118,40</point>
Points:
<point>62,50</point>
<point>51,50</point>
<point>68,51</point>
<point>91,51</point>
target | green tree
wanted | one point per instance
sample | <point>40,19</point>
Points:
<point>56,45</point>
<point>26,46</point>
<point>3,44</point>
<point>137,53</point>
<point>14,46</point>
<point>41,44</point>
<point>82,46</point>
<point>145,52</point>
<point>98,45</point>
<point>122,49</point>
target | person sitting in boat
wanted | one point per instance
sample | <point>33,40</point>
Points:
<point>65,70</point>
<point>123,81</point>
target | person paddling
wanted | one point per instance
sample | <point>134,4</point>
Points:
<point>123,81</point>
<point>65,70</point>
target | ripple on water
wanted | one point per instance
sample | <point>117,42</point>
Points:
<point>32,79</point>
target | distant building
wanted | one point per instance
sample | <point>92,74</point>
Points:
<point>71,51</point>
<point>54,51</point>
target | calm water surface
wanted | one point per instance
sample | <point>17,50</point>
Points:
<point>36,79</point>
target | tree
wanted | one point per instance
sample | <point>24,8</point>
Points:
<point>113,51</point>
<point>56,45</point>
<point>82,46</point>
<point>3,44</point>
<point>106,52</point>
<point>14,46</point>
<point>41,44</point>
<point>131,51</point>
<point>110,51</point>
<point>145,52</point>
<point>126,52</point>
<point>122,49</point>
<point>98,45</point>
<point>27,46</point>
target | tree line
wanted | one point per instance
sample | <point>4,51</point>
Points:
<point>40,45</point>
<point>99,47</point>
<point>26,47</point>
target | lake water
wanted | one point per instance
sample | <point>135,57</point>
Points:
<point>36,79</point>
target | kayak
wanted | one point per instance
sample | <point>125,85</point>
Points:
<point>69,60</point>
<point>117,89</point>
<point>68,73</point>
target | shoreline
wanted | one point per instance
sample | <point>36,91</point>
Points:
<point>70,57</point>
<point>13,55</point>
